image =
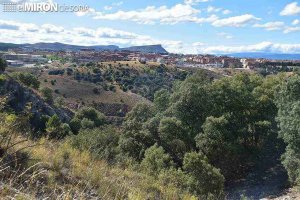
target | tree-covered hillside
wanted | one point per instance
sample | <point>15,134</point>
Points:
<point>191,141</point>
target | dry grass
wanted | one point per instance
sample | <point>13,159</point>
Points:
<point>77,92</point>
<point>55,170</point>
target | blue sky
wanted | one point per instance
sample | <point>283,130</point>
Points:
<point>181,26</point>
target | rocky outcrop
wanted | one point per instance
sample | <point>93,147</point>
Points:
<point>20,97</point>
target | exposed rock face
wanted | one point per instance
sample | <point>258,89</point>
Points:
<point>19,97</point>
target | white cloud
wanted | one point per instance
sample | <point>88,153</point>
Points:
<point>49,28</point>
<point>179,13</point>
<point>113,5</point>
<point>296,22</point>
<point>226,12</point>
<point>17,32</point>
<point>198,44</point>
<point>237,21</point>
<point>291,29</point>
<point>108,7</point>
<point>90,11</point>
<point>9,25</point>
<point>291,9</point>
<point>22,33</point>
<point>105,33</point>
<point>151,14</point>
<point>118,3</point>
<point>270,26</point>
<point>13,25</point>
<point>225,35</point>
<point>211,9</point>
<point>194,2</point>
<point>260,47</point>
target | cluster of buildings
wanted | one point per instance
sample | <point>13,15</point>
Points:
<point>20,57</point>
<point>250,63</point>
<point>211,61</point>
<point>90,55</point>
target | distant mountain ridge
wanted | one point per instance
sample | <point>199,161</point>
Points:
<point>147,49</point>
<point>275,56</point>
<point>60,46</point>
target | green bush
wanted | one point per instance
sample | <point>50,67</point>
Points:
<point>2,79</point>
<point>47,93</point>
<point>135,140</point>
<point>102,143</point>
<point>87,124</point>
<point>288,103</point>
<point>87,117</point>
<point>28,79</point>
<point>204,180</point>
<point>156,160</point>
<point>3,65</point>
<point>161,100</point>
<point>56,129</point>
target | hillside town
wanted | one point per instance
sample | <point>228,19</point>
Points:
<point>18,57</point>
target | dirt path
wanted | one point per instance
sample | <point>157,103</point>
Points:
<point>267,180</point>
<point>255,186</point>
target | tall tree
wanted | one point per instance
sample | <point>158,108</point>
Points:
<point>205,180</point>
<point>3,65</point>
<point>136,139</point>
<point>288,103</point>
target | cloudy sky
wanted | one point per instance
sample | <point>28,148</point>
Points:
<point>181,26</point>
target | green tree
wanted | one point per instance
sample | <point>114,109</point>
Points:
<point>288,103</point>
<point>59,102</point>
<point>47,93</point>
<point>191,102</point>
<point>65,130</point>
<point>75,125</point>
<point>174,138</point>
<point>156,160</point>
<point>220,145</point>
<point>101,142</point>
<point>161,100</point>
<point>205,180</point>
<point>87,124</point>
<point>28,80</point>
<point>3,65</point>
<point>136,139</point>
<point>91,114</point>
<point>53,127</point>
<point>87,118</point>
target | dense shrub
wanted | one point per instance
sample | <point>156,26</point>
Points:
<point>134,141</point>
<point>2,79</point>
<point>47,93</point>
<point>87,117</point>
<point>56,129</point>
<point>28,80</point>
<point>3,65</point>
<point>288,102</point>
<point>101,142</point>
<point>156,160</point>
<point>204,180</point>
<point>56,72</point>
